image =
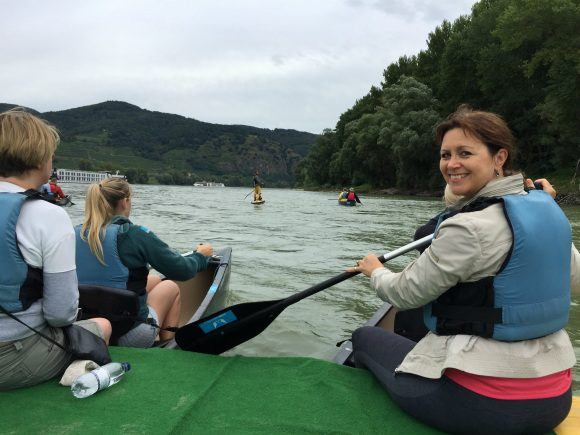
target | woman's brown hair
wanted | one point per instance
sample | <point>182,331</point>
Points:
<point>489,128</point>
<point>101,203</point>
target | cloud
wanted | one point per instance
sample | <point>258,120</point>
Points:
<point>296,64</point>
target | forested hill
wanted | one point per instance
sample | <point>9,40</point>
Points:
<point>154,146</point>
<point>517,58</point>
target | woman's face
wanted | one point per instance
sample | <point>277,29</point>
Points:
<point>466,163</point>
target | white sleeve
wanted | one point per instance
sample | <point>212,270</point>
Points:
<point>58,244</point>
<point>450,259</point>
<point>60,298</point>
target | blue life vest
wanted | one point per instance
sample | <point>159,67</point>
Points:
<point>530,295</point>
<point>20,284</point>
<point>90,271</point>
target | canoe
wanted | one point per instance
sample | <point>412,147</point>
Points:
<point>384,318</point>
<point>63,202</point>
<point>259,202</point>
<point>347,203</point>
<point>206,292</point>
<point>202,295</point>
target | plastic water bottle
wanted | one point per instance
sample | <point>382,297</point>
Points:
<point>105,376</point>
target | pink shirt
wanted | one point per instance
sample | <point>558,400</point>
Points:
<point>513,388</point>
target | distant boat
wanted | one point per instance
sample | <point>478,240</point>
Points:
<point>63,202</point>
<point>85,177</point>
<point>208,184</point>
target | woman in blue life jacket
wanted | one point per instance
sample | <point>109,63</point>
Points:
<point>495,284</point>
<point>38,281</point>
<point>113,252</point>
<point>409,323</point>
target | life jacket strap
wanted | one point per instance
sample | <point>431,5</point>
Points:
<point>471,314</point>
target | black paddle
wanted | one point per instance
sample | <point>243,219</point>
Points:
<point>248,194</point>
<point>239,323</point>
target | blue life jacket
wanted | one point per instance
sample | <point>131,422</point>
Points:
<point>90,271</point>
<point>530,295</point>
<point>20,284</point>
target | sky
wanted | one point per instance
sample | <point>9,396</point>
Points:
<point>293,64</point>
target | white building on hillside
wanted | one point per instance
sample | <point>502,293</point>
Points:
<point>87,177</point>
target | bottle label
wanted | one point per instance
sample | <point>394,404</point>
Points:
<point>102,377</point>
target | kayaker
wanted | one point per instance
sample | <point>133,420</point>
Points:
<point>497,358</point>
<point>351,196</point>
<point>45,190</point>
<point>38,282</point>
<point>114,252</point>
<point>55,189</point>
<point>257,182</point>
<point>343,195</point>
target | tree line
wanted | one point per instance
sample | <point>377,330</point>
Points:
<point>517,58</point>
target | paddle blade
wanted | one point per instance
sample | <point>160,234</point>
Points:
<point>227,328</point>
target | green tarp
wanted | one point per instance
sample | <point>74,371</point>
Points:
<point>170,391</point>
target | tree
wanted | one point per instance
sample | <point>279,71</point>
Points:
<point>136,176</point>
<point>85,165</point>
<point>545,38</point>
<point>409,119</point>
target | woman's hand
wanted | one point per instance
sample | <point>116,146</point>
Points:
<point>546,186</point>
<point>205,249</point>
<point>366,265</point>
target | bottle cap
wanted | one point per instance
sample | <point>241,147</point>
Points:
<point>126,366</point>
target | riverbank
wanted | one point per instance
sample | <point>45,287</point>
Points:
<point>567,188</point>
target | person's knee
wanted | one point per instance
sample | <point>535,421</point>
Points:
<point>172,289</point>
<point>152,281</point>
<point>105,327</point>
<point>360,335</point>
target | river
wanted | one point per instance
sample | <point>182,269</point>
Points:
<point>293,241</point>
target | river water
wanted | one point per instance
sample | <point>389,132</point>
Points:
<point>293,241</point>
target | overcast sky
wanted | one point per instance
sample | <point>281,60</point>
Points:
<point>267,63</point>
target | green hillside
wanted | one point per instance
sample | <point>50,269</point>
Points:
<point>171,149</point>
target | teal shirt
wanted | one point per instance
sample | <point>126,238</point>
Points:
<point>138,247</point>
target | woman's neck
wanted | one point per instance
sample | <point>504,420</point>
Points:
<point>24,181</point>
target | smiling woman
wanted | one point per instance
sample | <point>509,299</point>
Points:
<point>495,285</point>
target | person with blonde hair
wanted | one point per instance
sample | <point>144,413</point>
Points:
<point>495,284</point>
<point>38,281</point>
<point>114,252</point>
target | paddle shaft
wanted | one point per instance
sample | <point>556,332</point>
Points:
<point>248,193</point>
<point>346,275</point>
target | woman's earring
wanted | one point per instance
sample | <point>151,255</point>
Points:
<point>496,172</point>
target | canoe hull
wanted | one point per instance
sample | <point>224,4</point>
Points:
<point>205,293</point>
<point>384,318</point>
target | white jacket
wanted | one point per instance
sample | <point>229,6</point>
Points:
<point>468,247</point>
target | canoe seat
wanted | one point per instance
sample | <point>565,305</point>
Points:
<point>119,306</point>
<point>571,426</point>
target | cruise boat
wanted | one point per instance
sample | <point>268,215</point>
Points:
<point>84,177</point>
<point>208,184</point>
